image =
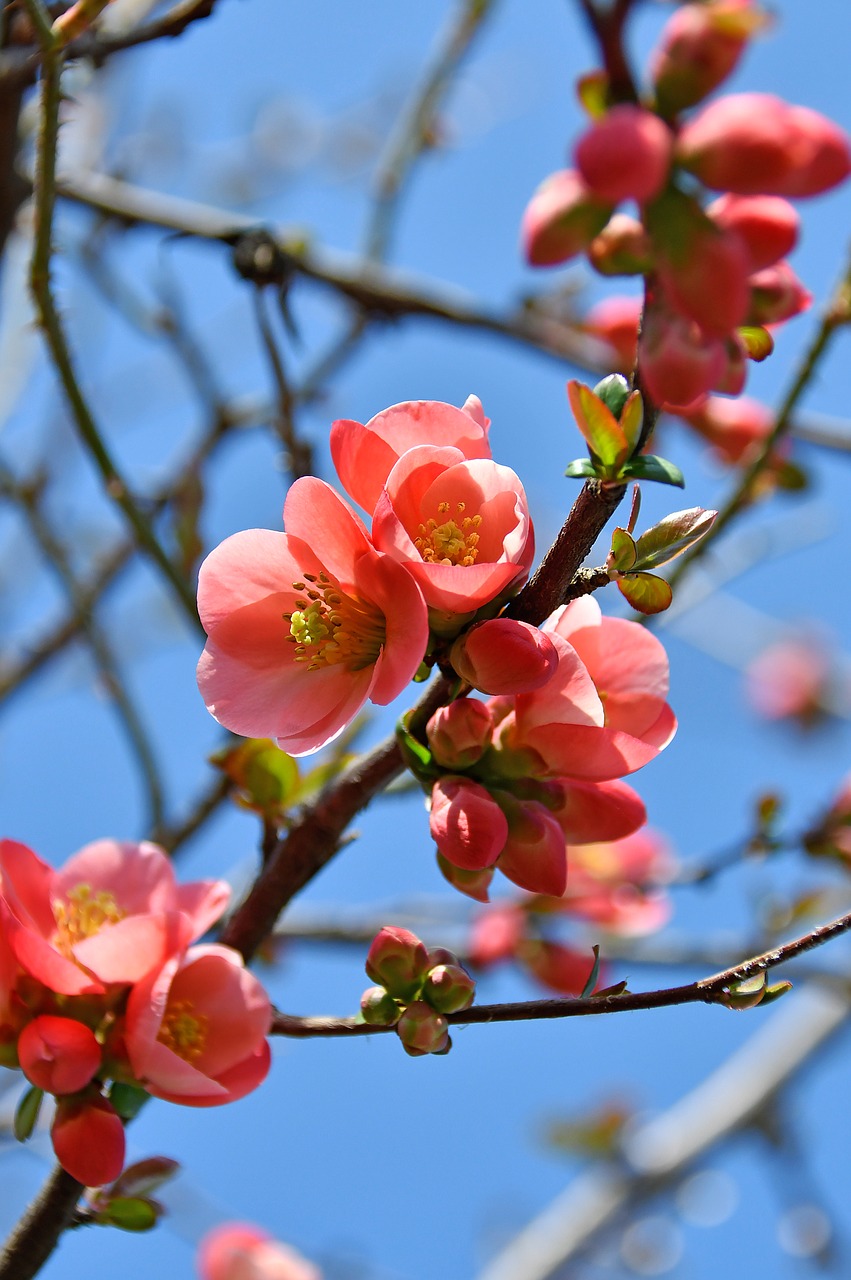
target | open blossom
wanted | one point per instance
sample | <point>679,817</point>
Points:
<point>297,643</point>
<point>109,915</point>
<point>241,1251</point>
<point>365,453</point>
<point>460,527</point>
<point>196,1029</point>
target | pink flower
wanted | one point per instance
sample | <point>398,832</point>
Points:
<point>625,155</point>
<point>604,712</point>
<point>594,811</point>
<point>88,1139</point>
<point>365,454</point>
<point>561,219</point>
<point>757,144</point>
<point>460,527</point>
<point>680,363</point>
<point>297,643</point>
<point>615,321</point>
<point>196,1029</point>
<point>240,1251</point>
<point>502,655</point>
<point>59,1055</point>
<point>790,680</point>
<point>777,295</point>
<point>735,428</point>
<point>768,225</point>
<point>496,934</point>
<point>708,282</point>
<point>110,915</point>
<point>459,733</point>
<point>617,885</point>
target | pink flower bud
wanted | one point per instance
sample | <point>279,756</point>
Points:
<point>626,155</point>
<point>460,733</point>
<point>757,144</point>
<point>59,1055</point>
<point>449,988</point>
<point>466,823</point>
<point>561,219</point>
<point>622,248</point>
<point>777,295</point>
<point>560,968</point>
<point>504,656</point>
<point>768,225</point>
<point>699,47</point>
<point>734,428</point>
<point>241,1251</point>
<point>679,363</point>
<point>398,961</point>
<point>423,1030</point>
<point>789,680</point>
<point>379,1008</point>
<point>735,375</point>
<point>88,1138</point>
<point>475,884</point>
<point>534,856</point>
<point>615,321</point>
<point>709,283</point>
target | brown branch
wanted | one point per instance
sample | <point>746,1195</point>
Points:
<point>711,990</point>
<point>34,1238</point>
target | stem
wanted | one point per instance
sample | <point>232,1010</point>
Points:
<point>36,1235</point>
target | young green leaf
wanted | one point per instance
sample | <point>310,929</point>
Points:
<point>649,467</point>
<point>645,592</point>
<point>580,469</point>
<point>622,554</point>
<point>601,429</point>
<point>26,1113</point>
<point>588,989</point>
<point>671,536</point>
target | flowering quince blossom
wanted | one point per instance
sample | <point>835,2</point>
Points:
<point>109,915</point>
<point>196,1029</point>
<point>364,454</point>
<point>617,884</point>
<point>461,527</point>
<point>299,639</point>
<point>241,1251</point>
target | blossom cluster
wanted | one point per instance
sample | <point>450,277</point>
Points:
<point>304,626</point>
<point>101,989</point>
<point>716,270</point>
<point>415,989</point>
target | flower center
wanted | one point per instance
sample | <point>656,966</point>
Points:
<point>329,627</point>
<point>183,1031</point>
<point>83,914</point>
<point>452,541</point>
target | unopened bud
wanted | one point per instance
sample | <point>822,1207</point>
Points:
<point>422,1029</point>
<point>397,961</point>
<point>59,1055</point>
<point>460,733</point>
<point>626,155</point>
<point>622,248</point>
<point>561,219</point>
<point>503,655</point>
<point>378,1008</point>
<point>449,988</point>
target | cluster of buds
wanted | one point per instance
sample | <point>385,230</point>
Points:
<point>515,779</point>
<point>103,999</point>
<point>717,278</point>
<point>616,886</point>
<point>415,990</point>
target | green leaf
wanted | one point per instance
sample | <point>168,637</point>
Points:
<point>129,1213</point>
<point>581,469</point>
<point>632,419</point>
<point>649,467</point>
<point>266,778</point>
<point>613,390</point>
<point>417,756</point>
<point>26,1113</point>
<point>601,429</point>
<point>592,90</point>
<point>758,342</point>
<point>775,991</point>
<point>128,1099</point>
<point>145,1176</point>
<point>622,554</point>
<point>588,989</point>
<point>745,994</point>
<point>645,592</point>
<point>671,536</point>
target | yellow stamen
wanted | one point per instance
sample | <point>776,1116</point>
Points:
<point>183,1031</point>
<point>330,628</point>
<point>453,541</point>
<point>83,915</point>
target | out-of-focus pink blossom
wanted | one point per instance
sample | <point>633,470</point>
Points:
<point>708,283</point>
<point>618,885</point>
<point>496,934</point>
<point>88,1139</point>
<point>467,825</point>
<point>562,969</point>
<point>110,915</point>
<point>196,1029</point>
<point>757,144</point>
<point>679,362</point>
<point>561,219</point>
<point>734,428</point>
<point>59,1055</point>
<point>503,655</point>
<point>460,527</point>
<point>699,47</point>
<point>365,453</point>
<point>768,225</point>
<point>777,295</point>
<point>615,322</point>
<point>622,248</point>
<point>789,680</point>
<point>298,638</point>
<point>241,1251</point>
<point>626,155</point>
